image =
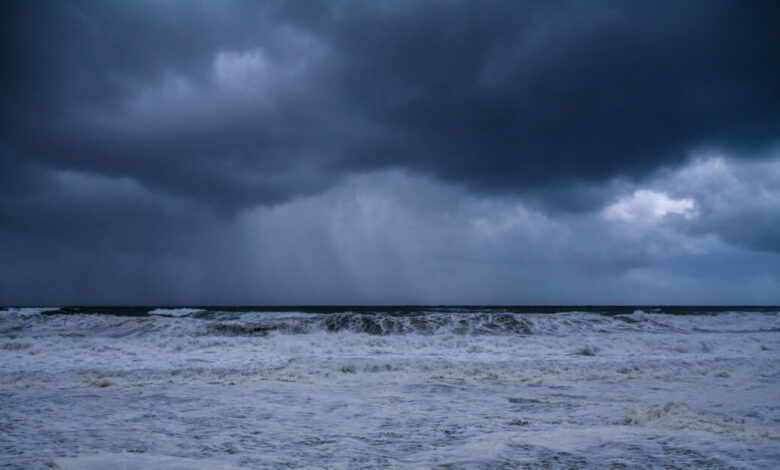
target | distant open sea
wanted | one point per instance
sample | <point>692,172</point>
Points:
<point>390,387</point>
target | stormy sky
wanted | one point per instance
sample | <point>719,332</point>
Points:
<point>390,152</point>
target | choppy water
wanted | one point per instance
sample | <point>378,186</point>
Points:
<point>392,387</point>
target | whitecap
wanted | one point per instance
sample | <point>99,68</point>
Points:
<point>27,311</point>
<point>175,312</point>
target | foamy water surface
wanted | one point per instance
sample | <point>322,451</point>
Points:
<point>415,388</point>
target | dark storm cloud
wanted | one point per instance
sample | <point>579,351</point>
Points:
<point>235,104</point>
<point>389,152</point>
<point>580,90</point>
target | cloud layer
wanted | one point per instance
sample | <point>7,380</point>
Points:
<point>394,152</point>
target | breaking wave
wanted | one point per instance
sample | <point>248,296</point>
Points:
<point>467,322</point>
<point>566,385</point>
<point>26,311</point>
<point>175,312</point>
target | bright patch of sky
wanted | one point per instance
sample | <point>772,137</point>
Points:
<point>648,206</point>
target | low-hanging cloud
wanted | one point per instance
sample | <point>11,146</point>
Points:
<point>236,104</point>
<point>392,237</point>
<point>395,152</point>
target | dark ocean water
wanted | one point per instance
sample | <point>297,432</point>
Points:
<point>416,309</point>
<point>390,387</point>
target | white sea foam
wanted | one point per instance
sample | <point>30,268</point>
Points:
<point>26,311</point>
<point>306,390</point>
<point>175,312</point>
<point>136,461</point>
<point>684,417</point>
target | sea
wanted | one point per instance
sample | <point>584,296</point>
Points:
<point>636,387</point>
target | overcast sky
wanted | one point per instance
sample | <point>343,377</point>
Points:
<point>205,152</point>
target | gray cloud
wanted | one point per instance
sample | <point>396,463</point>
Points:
<point>202,152</point>
<point>236,104</point>
<point>740,203</point>
<point>391,237</point>
<point>395,238</point>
